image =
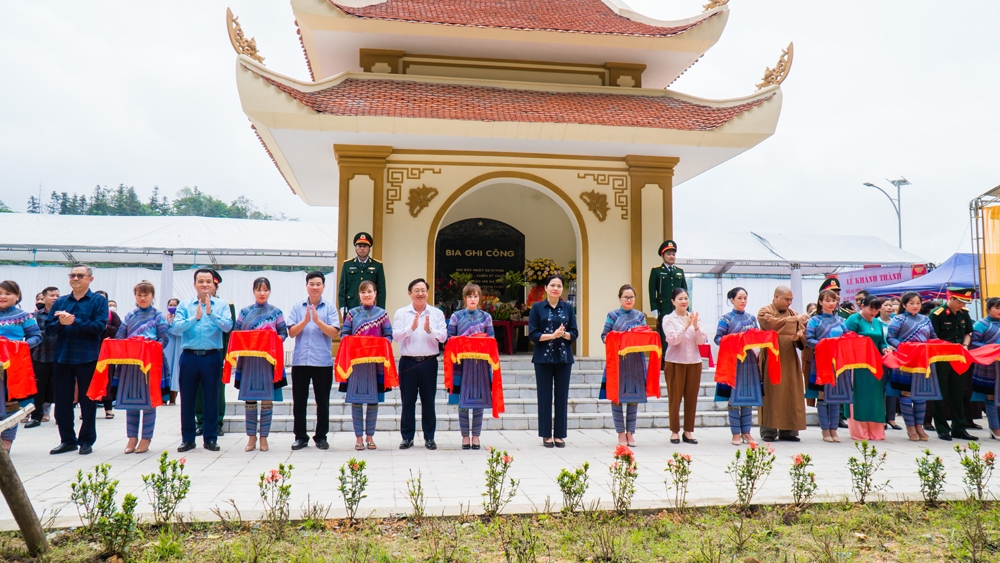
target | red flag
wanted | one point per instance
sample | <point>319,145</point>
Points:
<point>475,347</point>
<point>255,344</point>
<point>366,349</point>
<point>734,347</point>
<point>834,356</point>
<point>15,357</point>
<point>135,351</point>
<point>638,339</point>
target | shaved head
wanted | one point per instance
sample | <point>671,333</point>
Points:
<point>782,290</point>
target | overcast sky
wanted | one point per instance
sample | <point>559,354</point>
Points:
<point>144,94</point>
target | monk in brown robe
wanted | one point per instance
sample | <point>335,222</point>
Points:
<point>784,410</point>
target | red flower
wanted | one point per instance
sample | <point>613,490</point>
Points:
<point>798,459</point>
<point>687,457</point>
<point>182,460</point>
<point>623,451</point>
<point>989,457</point>
<point>753,445</point>
<point>507,460</point>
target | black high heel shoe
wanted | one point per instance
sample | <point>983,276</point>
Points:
<point>675,440</point>
<point>688,440</point>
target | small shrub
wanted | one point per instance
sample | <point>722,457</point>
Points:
<point>749,471</point>
<point>573,486</point>
<point>803,481</point>
<point>499,491</point>
<point>678,475</point>
<point>119,530</point>
<point>167,488</point>
<point>520,543</point>
<point>978,470</point>
<point>166,548</point>
<point>353,482</point>
<point>415,492</point>
<point>314,514</point>
<point>977,529</point>
<point>275,490</point>
<point>863,471</point>
<point>624,472</point>
<point>930,470</point>
<point>607,544</point>
<point>94,494</point>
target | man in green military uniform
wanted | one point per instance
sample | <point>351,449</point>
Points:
<point>356,270</point>
<point>952,323</point>
<point>662,281</point>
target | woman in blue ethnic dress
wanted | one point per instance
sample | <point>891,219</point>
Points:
<point>473,379</point>
<point>173,351</point>
<point>631,368</point>
<point>749,390</point>
<point>552,327</point>
<point>255,376</point>
<point>15,324</point>
<point>984,378</point>
<point>365,388</point>
<point>910,326</point>
<point>829,398</point>
<point>133,386</point>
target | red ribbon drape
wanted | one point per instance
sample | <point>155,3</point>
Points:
<point>15,357</point>
<point>834,356</point>
<point>366,349</point>
<point>255,344</point>
<point>639,339</point>
<point>136,351</point>
<point>475,347</point>
<point>917,357</point>
<point>734,347</point>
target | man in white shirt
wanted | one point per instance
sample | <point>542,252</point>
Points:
<point>419,328</point>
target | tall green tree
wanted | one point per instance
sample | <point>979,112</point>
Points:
<point>34,205</point>
<point>4,208</point>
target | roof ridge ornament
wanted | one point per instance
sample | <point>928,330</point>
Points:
<point>713,4</point>
<point>778,74</point>
<point>241,44</point>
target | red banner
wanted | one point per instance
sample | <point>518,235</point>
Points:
<point>15,357</point>
<point>917,357</point>
<point>366,350</point>
<point>734,347</point>
<point>640,339</point>
<point>255,344</point>
<point>476,347</point>
<point>834,356</point>
<point>147,354</point>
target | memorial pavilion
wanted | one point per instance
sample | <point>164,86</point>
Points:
<point>552,118</point>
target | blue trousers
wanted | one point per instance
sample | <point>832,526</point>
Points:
<point>549,377</point>
<point>992,416</point>
<point>913,411</point>
<point>132,423</point>
<point>829,415</point>
<point>418,379</point>
<point>740,420</point>
<point>625,417</point>
<point>200,372</point>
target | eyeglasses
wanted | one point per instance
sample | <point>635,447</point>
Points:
<point>77,276</point>
<point>629,298</point>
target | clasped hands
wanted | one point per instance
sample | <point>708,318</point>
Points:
<point>416,323</point>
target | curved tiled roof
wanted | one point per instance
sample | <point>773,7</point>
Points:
<point>572,16</point>
<point>408,99</point>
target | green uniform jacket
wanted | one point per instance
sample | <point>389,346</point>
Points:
<point>352,273</point>
<point>950,326</point>
<point>662,281</point>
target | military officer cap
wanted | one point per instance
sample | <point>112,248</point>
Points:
<point>362,238</point>
<point>830,283</point>
<point>668,245</point>
<point>963,294</point>
<point>215,276</point>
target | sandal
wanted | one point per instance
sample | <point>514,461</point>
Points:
<point>107,415</point>
<point>143,446</point>
<point>372,446</point>
<point>359,447</point>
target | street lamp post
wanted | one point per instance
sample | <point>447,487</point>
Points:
<point>896,203</point>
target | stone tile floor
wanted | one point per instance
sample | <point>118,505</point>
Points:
<point>451,477</point>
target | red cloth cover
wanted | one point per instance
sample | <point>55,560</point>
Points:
<point>639,339</point>
<point>986,355</point>
<point>733,349</point>
<point>136,351</point>
<point>15,357</point>
<point>917,357</point>
<point>366,349</point>
<point>834,356</point>
<point>475,347</point>
<point>255,344</point>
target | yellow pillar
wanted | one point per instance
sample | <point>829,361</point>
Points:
<point>364,160</point>
<point>643,171</point>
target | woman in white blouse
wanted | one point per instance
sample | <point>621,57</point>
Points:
<point>682,364</point>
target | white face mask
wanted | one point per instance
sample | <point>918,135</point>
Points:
<point>115,309</point>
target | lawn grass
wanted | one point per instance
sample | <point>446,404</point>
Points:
<point>883,532</point>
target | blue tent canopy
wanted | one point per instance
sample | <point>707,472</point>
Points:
<point>957,271</point>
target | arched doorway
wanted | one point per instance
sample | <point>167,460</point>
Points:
<point>552,225</point>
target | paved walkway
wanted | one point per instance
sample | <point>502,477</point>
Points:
<point>451,477</point>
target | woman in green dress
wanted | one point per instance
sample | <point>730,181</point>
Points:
<point>867,420</point>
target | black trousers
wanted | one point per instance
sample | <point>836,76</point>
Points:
<point>66,378</point>
<point>44,382</point>
<point>418,378</point>
<point>952,395</point>
<point>322,381</point>
<point>547,377</point>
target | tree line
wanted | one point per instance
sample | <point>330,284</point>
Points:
<point>124,200</point>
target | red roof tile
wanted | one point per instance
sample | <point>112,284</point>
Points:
<point>397,98</point>
<point>573,16</point>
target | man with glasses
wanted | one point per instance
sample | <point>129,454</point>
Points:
<point>78,321</point>
<point>358,269</point>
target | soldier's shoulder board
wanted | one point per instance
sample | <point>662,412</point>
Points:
<point>938,311</point>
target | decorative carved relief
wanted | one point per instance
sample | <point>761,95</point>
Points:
<point>395,176</point>
<point>779,73</point>
<point>241,44</point>
<point>618,184</point>
<point>597,203</point>
<point>420,199</point>
<point>713,4</point>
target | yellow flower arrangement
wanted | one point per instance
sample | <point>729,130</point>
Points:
<point>540,268</point>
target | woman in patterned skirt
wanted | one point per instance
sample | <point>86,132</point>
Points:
<point>749,390</point>
<point>133,386</point>
<point>984,378</point>
<point>15,324</point>
<point>255,376</point>
<point>631,368</point>
<point>473,379</point>
<point>365,388</point>
<point>910,326</point>
<point>830,398</point>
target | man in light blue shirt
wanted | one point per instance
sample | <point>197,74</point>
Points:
<point>312,323</point>
<point>200,322</point>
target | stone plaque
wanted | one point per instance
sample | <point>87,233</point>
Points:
<point>484,248</point>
